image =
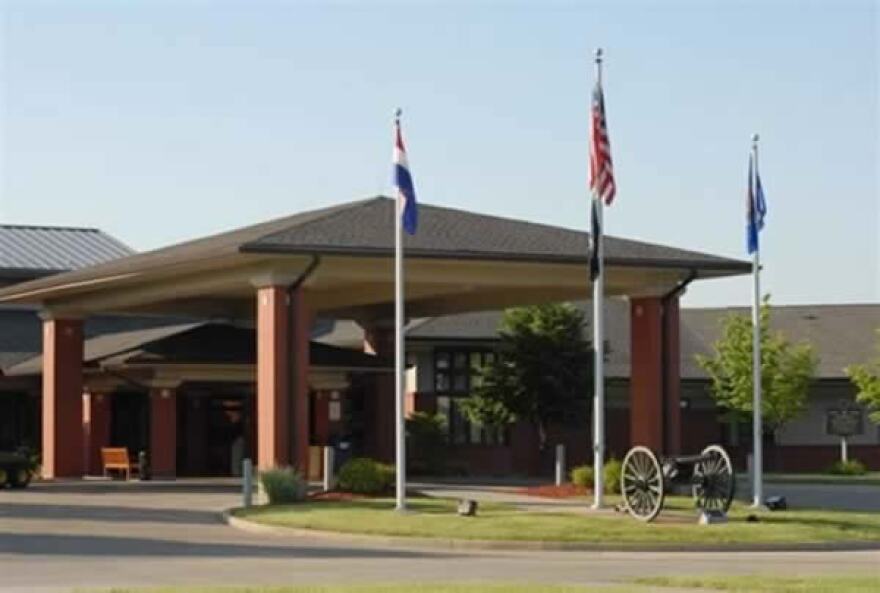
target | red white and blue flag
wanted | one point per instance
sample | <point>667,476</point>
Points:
<point>601,174</point>
<point>406,191</point>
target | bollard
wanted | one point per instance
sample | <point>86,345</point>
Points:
<point>560,464</point>
<point>247,482</point>
<point>844,453</point>
<point>328,468</point>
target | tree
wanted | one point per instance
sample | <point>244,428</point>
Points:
<point>541,374</point>
<point>866,378</point>
<point>786,370</point>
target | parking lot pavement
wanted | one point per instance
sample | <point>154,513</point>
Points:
<point>54,537</point>
<point>849,497</point>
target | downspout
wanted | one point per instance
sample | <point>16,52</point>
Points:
<point>664,352</point>
<point>304,275</point>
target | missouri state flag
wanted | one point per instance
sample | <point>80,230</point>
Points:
<point>406,191</point>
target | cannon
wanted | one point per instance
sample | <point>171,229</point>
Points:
<point>646,478</point>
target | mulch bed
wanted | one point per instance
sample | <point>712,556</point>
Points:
<point>335,496</point>
<point>552,491</point>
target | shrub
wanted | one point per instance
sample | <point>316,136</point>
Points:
<point>427,442</point>
<point>612,472</point>
<point>283,485</point>
<point>365,476</point>
<point>582,475</point>
<point>852,467</point>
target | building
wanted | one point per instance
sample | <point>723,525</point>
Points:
<point>444,350</point>
<point>233,321</point>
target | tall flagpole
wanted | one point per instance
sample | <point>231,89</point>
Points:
<point>598,342</point>
<point>757,424</point>
<point>400,434</point>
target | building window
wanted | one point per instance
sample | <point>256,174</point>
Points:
<point>455,374</point>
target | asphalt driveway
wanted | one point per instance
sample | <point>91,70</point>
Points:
<point>54,537</point>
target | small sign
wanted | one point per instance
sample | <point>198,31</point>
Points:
<point>844,420</point>
<point>334,411</point>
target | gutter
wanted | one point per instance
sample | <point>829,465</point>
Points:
<point>664,352</point>
<point>305,275</point>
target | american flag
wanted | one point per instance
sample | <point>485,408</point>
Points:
<point>601,171</point>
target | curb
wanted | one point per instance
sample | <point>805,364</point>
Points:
<point>546,546</point>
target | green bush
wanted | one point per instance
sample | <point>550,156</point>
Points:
<point>612,472</point>
<point>582,475</point>
<point>852,467</point>
<point>426,434</point>
<point>283,485</point>
<point>365,476</point>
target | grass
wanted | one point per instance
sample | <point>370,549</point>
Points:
<point>697,584</point>
<point>770,584</point>
<point>436,518</point>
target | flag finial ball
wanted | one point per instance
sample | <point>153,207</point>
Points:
<point>598,54</point>
<point>398,112</point>
<point>755,137</point>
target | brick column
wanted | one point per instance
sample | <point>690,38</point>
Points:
<point>283,330</point>
<point>62,398</point>
<point>163,432</point>
<point>379,408</point>
<point>301,317</point>
<point>672,375</point>
<point>96,430</point>
<point>273,381</point>
<point>654,372</point>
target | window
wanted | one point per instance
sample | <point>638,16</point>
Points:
<point>455,374</point>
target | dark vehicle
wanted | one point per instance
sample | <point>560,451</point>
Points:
<point>15,469</point>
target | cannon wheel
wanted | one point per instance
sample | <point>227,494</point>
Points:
<point>642,484</point>
<point>714,480</point>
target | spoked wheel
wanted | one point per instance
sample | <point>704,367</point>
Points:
<point>642,484</point>
<point>714,481</point>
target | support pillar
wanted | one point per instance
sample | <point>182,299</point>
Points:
<point>163,432</point>
<point>96,430</point>
<point>301,317</point>
<point>283,331</point>
<point>273,380</point>
<point>655,411</point>
<point>62,398</point>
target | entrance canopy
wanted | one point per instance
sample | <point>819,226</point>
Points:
<point>458,261</point>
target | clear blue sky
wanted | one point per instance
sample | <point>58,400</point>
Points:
<point>161,121</point>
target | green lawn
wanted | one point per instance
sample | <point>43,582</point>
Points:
<point>771,584</point>
<point>436,518</point>
<point>713,584</point>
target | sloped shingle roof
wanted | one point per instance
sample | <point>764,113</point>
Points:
<point>365,227</point>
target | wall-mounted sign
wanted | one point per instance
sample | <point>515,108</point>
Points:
<point>845,420</point>
<point>334,411</point>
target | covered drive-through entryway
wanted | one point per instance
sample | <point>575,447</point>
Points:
<point>277,278</point>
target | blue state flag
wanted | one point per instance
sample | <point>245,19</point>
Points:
<point>756,207</point>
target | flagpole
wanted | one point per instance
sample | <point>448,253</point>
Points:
<point>400,434</point>
<point>757,424</point>
<point>598,343</point>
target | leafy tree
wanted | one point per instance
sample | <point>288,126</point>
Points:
<point>541,374</point>
<point>866,378</point>
<point>786,370</point>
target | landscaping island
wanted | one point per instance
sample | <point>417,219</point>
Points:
<point>436,518</point>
